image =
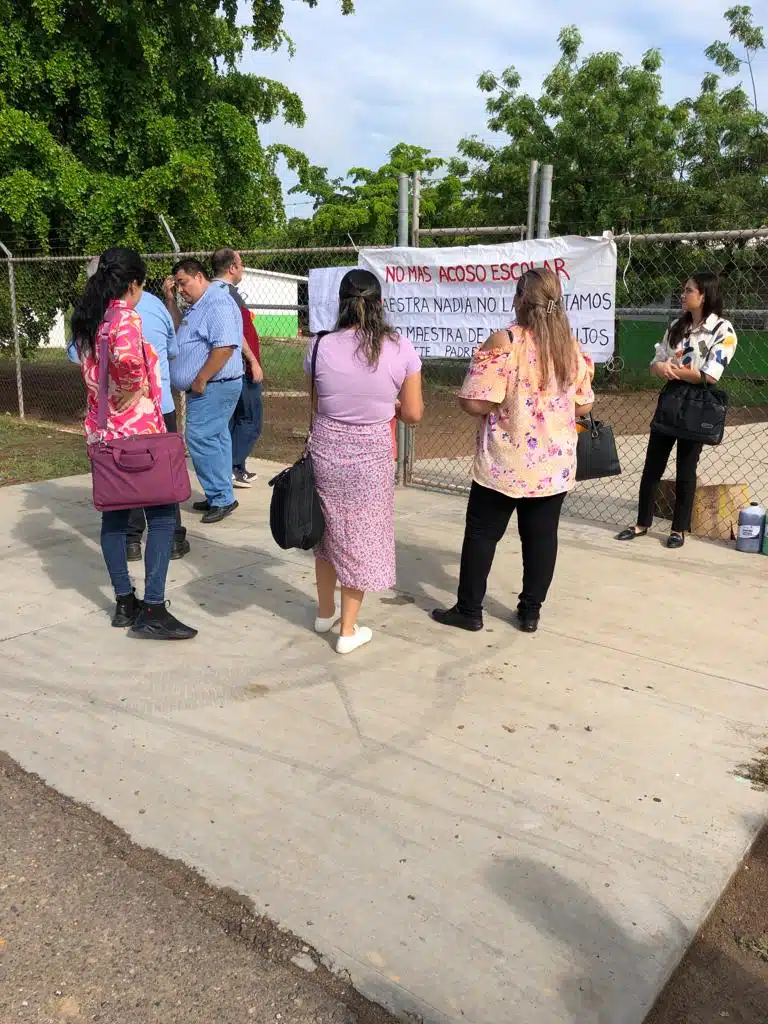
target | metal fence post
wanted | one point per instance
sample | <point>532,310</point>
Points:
<point>416,209</point>
<point>409,432</point>
<point>181,398</point>
<point>15,327</point>
<point>533,181</point>
<point>402,241</point>
<point>545,200</point>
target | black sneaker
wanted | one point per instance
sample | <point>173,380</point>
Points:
<point>453,617</point>
<point>218,512</point>
<point>201,506</point>
<point>242,478</point>
<point>155,622</point>
<point>180,548</point>
<point>133,550</point>
<point>127,610</point>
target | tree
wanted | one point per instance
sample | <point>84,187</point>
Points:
<point>723,145</point>
<point>751,38</point>
<point>603,126</point>
<point>365,205</point>
<point>114,111</point>
<point>622,158</point>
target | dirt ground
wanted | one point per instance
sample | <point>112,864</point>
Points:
<point>94,928</point>
<point>53,393</point>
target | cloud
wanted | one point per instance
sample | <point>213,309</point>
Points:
<point>406,70</point>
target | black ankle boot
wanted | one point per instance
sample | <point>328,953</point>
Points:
<point>527,618</point>
<point>155,622</point>
<point>453,617</point>
<point>127,610</point>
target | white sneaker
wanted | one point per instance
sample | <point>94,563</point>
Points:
<point>347,644</point>
<point>326,625</point>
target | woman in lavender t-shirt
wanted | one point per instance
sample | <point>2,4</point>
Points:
<point>366,374</point>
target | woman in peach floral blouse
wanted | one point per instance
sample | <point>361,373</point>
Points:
<point>527,386</point>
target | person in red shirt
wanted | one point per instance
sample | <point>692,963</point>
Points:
<point>248,418</point>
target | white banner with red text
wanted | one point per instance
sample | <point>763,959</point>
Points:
<point>448,300</point>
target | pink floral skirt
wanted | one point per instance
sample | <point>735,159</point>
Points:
<point>355,477</point>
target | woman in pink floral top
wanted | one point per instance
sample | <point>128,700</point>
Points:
<point>133,407</point>
<point>527,386</point>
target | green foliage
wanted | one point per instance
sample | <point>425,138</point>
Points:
<point>623,158</point>
<point>112,112</point>
<point>364,207</point>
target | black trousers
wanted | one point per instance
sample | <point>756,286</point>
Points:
<point>137,522</point>
<point>488,515</point>
<point>659,449</point>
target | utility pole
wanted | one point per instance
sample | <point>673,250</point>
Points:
<point>545,200</point>
<point>533,181</point>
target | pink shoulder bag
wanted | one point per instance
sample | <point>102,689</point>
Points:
<point>140,471</point>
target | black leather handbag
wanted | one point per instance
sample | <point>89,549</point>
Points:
<point>691,412</point>
<point>295,513</point>
<point>596,452</point>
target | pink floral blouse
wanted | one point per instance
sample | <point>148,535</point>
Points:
<point>133,366</point>
<point>527,447</point>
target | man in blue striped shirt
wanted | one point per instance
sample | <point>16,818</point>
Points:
<point>209,368</point>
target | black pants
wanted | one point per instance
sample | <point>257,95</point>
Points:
<point>656,458</point>
<point>488,515</point>
<point>137,522</point>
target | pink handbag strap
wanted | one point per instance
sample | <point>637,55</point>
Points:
<point>102,413</point>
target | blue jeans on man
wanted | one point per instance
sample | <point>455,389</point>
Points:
<point>209,441</point>
<point>246,423</point>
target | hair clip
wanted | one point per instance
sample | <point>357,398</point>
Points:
<point>551,307</point>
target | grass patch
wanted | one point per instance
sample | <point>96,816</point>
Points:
<point>757,947</point>
<point>755,772</point>
<point>35,451</point>
<point>283,365</point>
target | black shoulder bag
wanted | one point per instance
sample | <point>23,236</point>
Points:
<point>692,412</point>
<point>295,513</point>
<point>596,452</point>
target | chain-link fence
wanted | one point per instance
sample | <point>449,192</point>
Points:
<point>40,382</point>
<point>439,452</point>
<point>651,271</point>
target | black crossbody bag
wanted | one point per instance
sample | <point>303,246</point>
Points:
<point>295,513</point>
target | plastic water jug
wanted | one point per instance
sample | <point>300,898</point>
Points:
<point>749,537</point>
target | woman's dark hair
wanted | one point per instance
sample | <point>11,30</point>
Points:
<point>710,287</point>
<point>360,308</point>
<point>118,269</point>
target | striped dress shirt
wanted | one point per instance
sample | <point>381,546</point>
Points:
<point>214,321</point>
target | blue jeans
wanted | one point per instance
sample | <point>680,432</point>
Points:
<point>209,440</point>
<point>161,522</point>
<point>138,521</point>
<point>246,423</point>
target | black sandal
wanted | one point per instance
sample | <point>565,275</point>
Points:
<point>675,540</point>
<point>631,533</point>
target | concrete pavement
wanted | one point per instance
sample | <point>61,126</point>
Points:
<point>492,828</point>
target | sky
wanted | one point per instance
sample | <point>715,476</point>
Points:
<point>406,70</point>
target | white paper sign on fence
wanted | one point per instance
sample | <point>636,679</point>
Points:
<point>448,300</point>
<point>324,297</point>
